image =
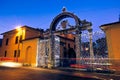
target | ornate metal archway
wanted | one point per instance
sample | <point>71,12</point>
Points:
<point>79,26</point>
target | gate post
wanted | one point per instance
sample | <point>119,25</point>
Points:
<point>78,44</point>
<point>91,47</point>
<point>91,43</point>
<point>51,58</point>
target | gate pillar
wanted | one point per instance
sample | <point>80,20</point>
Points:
<point>51,51</point>
<point>78,44</point>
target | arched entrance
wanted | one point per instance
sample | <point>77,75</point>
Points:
<point>77,28</point>
<point>28,55</point>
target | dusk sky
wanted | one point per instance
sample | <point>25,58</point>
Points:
<point>39,13</point>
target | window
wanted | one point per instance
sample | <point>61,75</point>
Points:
<point>15,53</point>
<point>74,38</point>
<point>0,42</point>
<point>5,54</point>
<point>68,45</point>
<point>20,38</point>
<point>7,40</point>
<point>18,55</point>
<point>16,40</point>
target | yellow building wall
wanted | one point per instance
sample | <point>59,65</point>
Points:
<point>26,33</point>
<point>11,44</point>
<point>113,42</point>
<point>29,52</point>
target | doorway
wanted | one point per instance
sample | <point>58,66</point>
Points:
<point>28,55</point>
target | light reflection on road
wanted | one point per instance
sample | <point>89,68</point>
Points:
<point>10,64</point>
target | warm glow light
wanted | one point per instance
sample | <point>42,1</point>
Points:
<point>10,64</point>
<point>18,27</point>
<point>86,49</point>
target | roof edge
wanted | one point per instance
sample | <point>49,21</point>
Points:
<point>104,26</point>
<point>22,27</point>
<point>110,23</point>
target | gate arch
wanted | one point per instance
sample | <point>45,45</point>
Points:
<point>77,28</point>
<point>61,16</point>
<point>53,26</point>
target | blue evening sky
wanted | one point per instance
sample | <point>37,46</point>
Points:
<point>39,13</point>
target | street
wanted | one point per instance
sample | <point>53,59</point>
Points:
<point>32,73</point>
<point>27,73</point>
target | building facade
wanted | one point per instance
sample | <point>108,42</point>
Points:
<point>112,31</point>
<point>20,44</point>
<point>30,47</point>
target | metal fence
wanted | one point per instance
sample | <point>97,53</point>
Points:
<point>85,63</point>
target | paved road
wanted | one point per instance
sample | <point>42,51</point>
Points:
<point>37,74</point>
<point>99,75</point>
